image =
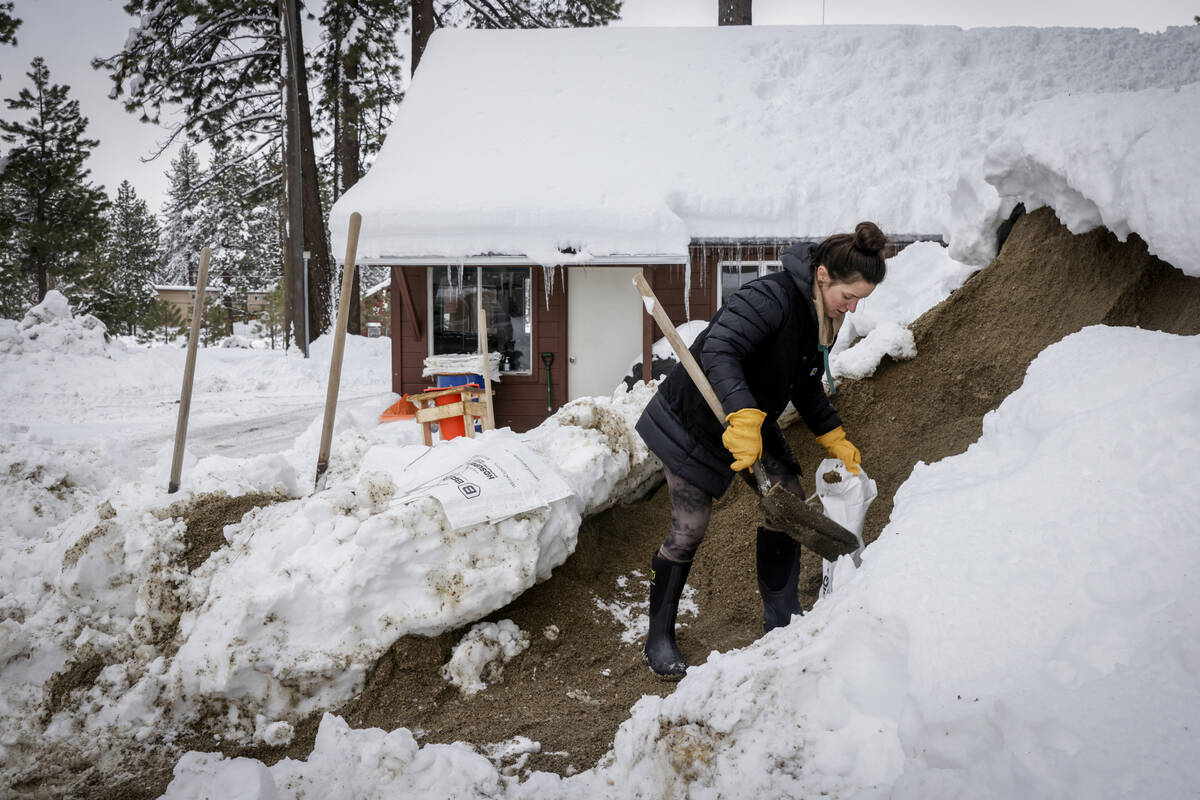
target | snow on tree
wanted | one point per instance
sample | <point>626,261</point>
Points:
<point>52,216</point>
<point>218,63</point>
<point>237,220</point>
<point>182,236</point>
<point>120,286</point>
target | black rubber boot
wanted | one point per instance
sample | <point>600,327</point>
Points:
<point>666,585</point>
<point>778,561</point>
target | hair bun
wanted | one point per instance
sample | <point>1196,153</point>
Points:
<point>869,239</point>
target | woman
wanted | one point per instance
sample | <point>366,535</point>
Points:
<point>767,345</point>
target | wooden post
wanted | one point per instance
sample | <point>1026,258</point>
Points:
<point>189,372</point>
<point>339,344</point>
<point>489,420</point>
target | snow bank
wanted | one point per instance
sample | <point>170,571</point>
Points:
<point>1022,628</point>
<point>1124,160</point>
<point>50,327</point>
<point>918,278</point>
<point>303,597</point>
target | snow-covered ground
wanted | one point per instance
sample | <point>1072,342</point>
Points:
<point>310,590</point>
<point>1024,626</point>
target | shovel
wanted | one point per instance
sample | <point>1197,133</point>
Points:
<point>803,523</point>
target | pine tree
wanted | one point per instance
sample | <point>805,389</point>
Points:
<point>8,23</point>
<point>121,285</point>
<point>52,216</point>
<point>214,322</point>
<point>182,235</point>
<point>271,319</point>
<point>218,62</point>
<point>161,320</point>
<point>240,223</point>
<point>360,66</point>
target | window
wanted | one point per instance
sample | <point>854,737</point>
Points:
<point>736,274</point>
<point>455,296</point>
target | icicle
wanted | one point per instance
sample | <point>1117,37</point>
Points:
<point>548,278</point>
<point>761,265</point>
<point>687,290</point>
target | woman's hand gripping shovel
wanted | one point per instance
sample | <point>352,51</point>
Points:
<point>806,525</point>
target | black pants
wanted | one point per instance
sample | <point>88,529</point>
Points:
<point>691,508</point>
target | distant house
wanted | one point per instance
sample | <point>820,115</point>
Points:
<point>376,309</point>
<point>183,298</point>
<point>256,301</point>
<point>533,173</point>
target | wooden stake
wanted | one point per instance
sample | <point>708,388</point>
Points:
<point>189,372</point>
<point>339,344</point>
<point>489,420</point>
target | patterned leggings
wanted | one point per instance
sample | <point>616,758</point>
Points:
<point>691,508</point>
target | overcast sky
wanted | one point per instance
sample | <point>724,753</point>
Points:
<point>69,33</point>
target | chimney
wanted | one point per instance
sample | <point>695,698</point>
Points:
<point>733,12</point>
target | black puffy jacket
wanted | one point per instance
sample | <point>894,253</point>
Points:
<point>759,351</point>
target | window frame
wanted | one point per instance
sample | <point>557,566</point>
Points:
<point>429,333</point>
<point>763,271</point>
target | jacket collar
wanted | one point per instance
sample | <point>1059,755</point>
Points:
<point>797,261</point>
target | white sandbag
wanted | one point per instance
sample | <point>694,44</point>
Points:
<point>845,499</point>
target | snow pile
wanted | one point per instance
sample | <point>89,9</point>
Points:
<point>918,278</point>
<point>592,442</point>
<point>44,482</point>
<point>303,595</point>
<point>736,131</point>
<point>1023,624</point>
<point>479,657</point>
<point>50,327</point>
<point>1124,160</point>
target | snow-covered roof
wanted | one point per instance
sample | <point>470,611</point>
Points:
<point>602,142</point>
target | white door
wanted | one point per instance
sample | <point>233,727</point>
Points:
<point>604,328</point>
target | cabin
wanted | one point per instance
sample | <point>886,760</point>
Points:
<point>183,298</point>
<point>532,173</point>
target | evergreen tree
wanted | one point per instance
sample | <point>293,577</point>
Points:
<point>161,320</point>
<point>182,235</point>
<point>17,291</point>
<point>214,322</point>
<point>271,319</point>
<point>527,13</point>
<point>359,65</point>
<point>218,62</point>
<point>8,24</point>
<point>240,223</point>
<point>121,285</point>
<point>52,216</point>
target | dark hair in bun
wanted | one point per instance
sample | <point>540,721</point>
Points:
<point>849,256</point>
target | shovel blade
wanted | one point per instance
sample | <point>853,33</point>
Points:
<point>806,525</point>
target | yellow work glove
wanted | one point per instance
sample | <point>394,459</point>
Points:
<point>840,447</point>
<point>743,437</point>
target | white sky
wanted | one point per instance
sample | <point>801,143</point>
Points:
<point>69,33</point>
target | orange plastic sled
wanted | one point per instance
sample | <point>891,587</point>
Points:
<point>401,409</point>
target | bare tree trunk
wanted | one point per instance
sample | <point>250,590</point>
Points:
<point>43,281</point>
<point>293,240</point>
<point>320,266</point>
<point>733,12</point>
<point>422,28</point>
<point>348,160</point>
